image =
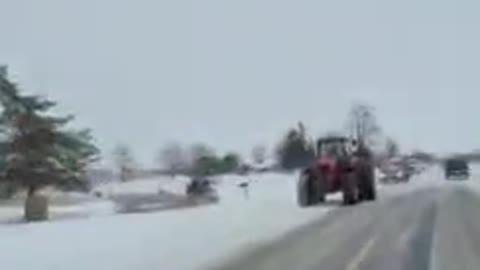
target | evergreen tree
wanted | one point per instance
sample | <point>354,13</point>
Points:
<point>295,151</point>
<point>39,149</point>
<point>230,163</point>
<point>211,164</point>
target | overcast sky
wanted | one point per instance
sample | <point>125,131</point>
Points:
<point>237,73</point>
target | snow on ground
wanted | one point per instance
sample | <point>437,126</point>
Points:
<point>431,177</point>
<point>181,239</point>
<point>13,214</point>
<point>475,171</point>
<point>62,205</point>
<point>174,185</point>
<point>189,238</point>
<point>474,181</point>
<point>66,205</point>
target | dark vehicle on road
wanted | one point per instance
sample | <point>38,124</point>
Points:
<point>201,189</point>
<point>338,167</point>
<point>456,168</point>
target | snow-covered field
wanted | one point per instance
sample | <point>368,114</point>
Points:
<point>189,238</point>
<point>177,239</point>
<point>174,185</point>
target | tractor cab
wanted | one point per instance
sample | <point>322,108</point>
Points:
<point>333,155</point>
<point>333,147</point>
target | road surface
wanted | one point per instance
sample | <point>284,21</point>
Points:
<point>436,228</point>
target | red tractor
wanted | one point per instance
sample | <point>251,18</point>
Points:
<point>340,165</point>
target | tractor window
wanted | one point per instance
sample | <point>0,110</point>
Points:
<point>333,149</point>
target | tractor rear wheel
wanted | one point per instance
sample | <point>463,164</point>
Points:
<point>370,188</point>
<point>349,189</point>
<point>366,182</point>
<point>318,188</point>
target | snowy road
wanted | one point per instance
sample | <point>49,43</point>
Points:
<point>436,228</point>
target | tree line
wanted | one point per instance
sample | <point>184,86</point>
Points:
<point>295,149</point>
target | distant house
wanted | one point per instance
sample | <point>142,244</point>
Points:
<point>266,166</point>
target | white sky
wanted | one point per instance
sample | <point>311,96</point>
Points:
<point>237,73</point>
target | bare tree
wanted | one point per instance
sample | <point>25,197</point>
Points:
<point>259,154</point>
<point>362,123</point>
<point>391,148</point>
<point>200,150</point>
<point>202,160</point>
<point>124,162</point>
<point>173,158</point>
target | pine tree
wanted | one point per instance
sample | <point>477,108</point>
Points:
<point>295,151</point>
<point>40,151</point>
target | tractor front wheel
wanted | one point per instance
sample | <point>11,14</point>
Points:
<point>310,190</point>
<point>304,193</point>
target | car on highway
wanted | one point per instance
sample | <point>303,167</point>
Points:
<point>457,168</point>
